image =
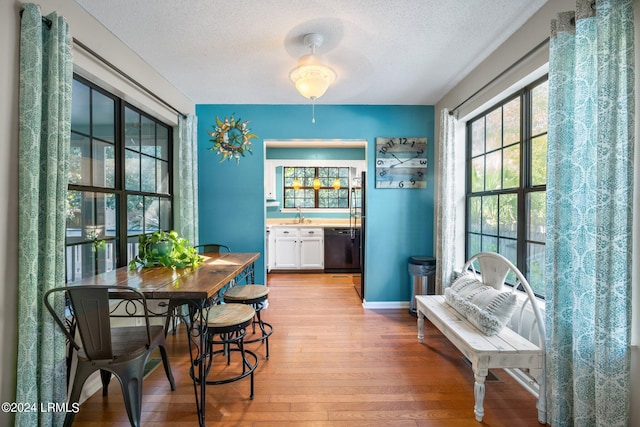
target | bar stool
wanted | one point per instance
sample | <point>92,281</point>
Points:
<point>226,326</point>
<point>254,296</point>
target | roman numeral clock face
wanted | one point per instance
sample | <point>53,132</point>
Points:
<point>401,162</point>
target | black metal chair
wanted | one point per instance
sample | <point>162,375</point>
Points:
<point>122,351</point>
<point>212,248</point>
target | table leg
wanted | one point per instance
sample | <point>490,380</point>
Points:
<point>196,334</point>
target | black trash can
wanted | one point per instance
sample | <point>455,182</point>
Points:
<point>422,270</point>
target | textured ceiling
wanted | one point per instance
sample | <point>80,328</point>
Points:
<point>393,52</point>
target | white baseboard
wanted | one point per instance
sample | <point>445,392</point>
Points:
<point>385,305</point>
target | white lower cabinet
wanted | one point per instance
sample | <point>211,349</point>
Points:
<point>298,248</point>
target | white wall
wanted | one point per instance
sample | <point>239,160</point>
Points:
<point>9,30</point>
<point>88,31</point>
<point>524,40</point>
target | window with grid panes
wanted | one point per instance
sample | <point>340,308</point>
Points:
<point>506,181</point>
<point>119,180</point>
<point>307,196</point>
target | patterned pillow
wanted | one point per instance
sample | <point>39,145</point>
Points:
<point>486,308</point>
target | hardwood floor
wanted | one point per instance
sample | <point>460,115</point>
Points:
<point>332,363</point>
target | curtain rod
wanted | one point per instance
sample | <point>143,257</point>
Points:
<point>511,67</point>
<point>87,49</point>
<point>78,43</point>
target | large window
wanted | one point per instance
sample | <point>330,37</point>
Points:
<point>506,181</point>
<point>316,187</point>
<point>119,180</point>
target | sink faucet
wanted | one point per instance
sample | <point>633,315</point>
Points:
<point>300,215</point>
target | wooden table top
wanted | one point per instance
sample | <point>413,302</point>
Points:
<point>197,283</point>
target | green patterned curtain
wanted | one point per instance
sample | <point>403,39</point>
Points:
<point>188,176</point>
<point>45,122</point>
<point>589,214</point>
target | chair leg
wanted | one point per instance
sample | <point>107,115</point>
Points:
<point>170,311</point>
<point>82,373</point>
<point>167,367</point>
<point>131,382</point>
<point>105,376</point>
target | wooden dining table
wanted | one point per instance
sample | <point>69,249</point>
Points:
<point>198,287</point>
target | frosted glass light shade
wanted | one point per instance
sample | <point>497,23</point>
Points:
<point>311,77</point>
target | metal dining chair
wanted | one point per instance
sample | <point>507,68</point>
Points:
<point>122,351</point>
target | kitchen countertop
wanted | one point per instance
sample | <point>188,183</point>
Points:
<point>314,222</point>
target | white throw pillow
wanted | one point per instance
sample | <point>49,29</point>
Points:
<point>486,308</point>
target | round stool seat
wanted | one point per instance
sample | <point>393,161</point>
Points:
<point>226,326</point>
<point>246,294</point>
<point>229,315</point>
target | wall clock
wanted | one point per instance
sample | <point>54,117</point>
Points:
<point>401,162</point>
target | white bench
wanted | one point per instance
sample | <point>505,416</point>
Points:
<point>508,349</point>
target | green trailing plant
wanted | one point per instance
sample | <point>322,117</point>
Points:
<point>167,249</point>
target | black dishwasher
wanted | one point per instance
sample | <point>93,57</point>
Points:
<point>341,250</point>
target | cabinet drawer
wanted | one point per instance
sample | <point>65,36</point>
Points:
<point>286,232</point>
<point>311,232</point>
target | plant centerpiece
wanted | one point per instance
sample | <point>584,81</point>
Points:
<point>231,138</point>
<point>167,249</point>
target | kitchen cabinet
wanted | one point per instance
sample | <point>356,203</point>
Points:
<point>298,248</point>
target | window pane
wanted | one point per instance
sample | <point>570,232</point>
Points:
<point>86,260</point>
<point>134,215</point>
<point>535,267</point>
<point>79,160</point>
<point>132,170</point>
<point>163,177</point>
<point>490,215</point>
<point>539,108</point>
<point>103,116</point>
<point>509,249</point>
<point>477,174</point>
<point>147,136</point>
<point>477,137</point>
<point>539,160</point>
<point>74,215</point>
<point>489,244</point>
<point>162,139</point>
<point>475,212</point>
<point>110,215</point>
<point>537,204</point>
<point>511,171</point>
<point>103,165</point>
<point>511,114</point>
<point>81,108</point>
<point>509,215</point>
<point>151,214</point>
<point>475,244</point>
<point>132,129</point>
<point>148,174</point>
<point>494,130</point>
<point>493,179</point>
<point>165,214</point>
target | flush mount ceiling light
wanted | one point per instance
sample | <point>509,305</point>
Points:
<point>311,77</point>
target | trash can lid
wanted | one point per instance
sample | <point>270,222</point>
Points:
<point>422,260</point>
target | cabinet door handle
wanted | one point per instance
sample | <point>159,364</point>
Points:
<point>285,232</point>
<point>311,232</point>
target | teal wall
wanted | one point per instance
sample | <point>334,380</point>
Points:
<point>399,221</point>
